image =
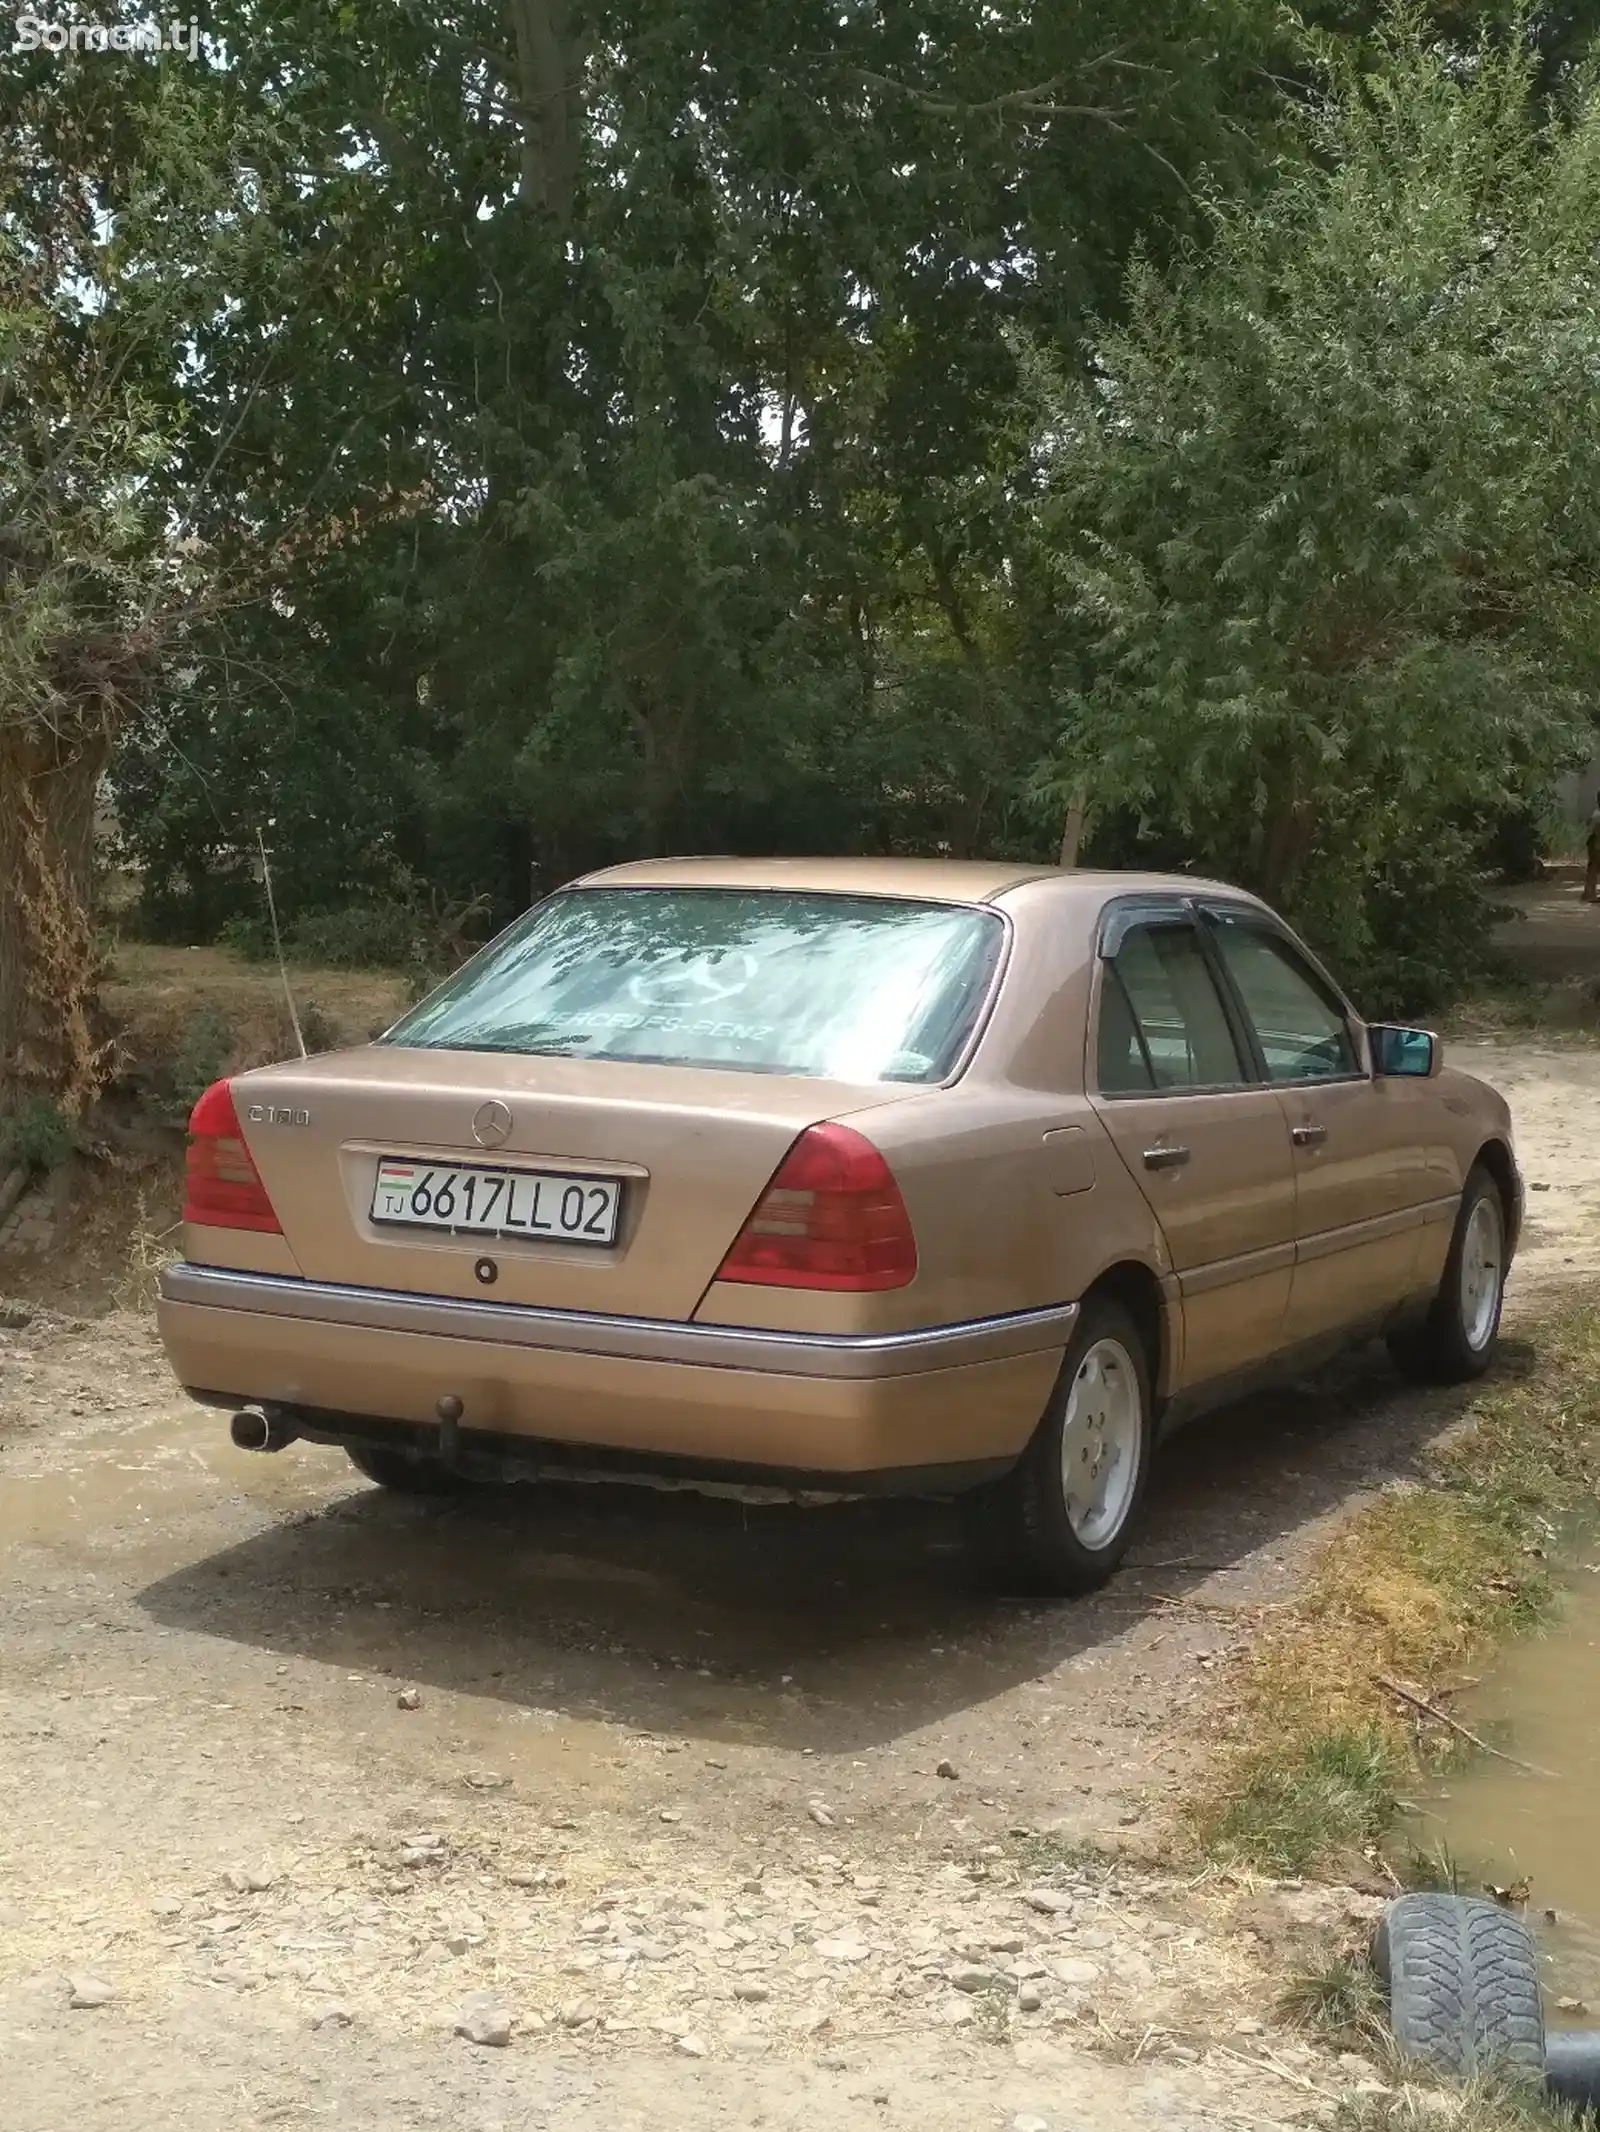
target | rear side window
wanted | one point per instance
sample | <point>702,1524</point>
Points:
<point>1301,1029</point>
<point>1162,1021</point>
<point>848,988</point>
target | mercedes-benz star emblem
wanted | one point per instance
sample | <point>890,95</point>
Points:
<point>697,983</point>
<point>491,1124</point>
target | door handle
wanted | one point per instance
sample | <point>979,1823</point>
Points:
<point>1165,1158</point>
<point>1308,1135</point>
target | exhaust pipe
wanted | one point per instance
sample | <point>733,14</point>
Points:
<point>256,1428</point>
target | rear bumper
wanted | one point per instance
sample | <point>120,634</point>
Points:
<point>868,1408</point>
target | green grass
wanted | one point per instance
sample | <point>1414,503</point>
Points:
<point>1438,1871</point>
<point>1324,1794</point>
<point>1565,1008</point>
<point>1417,1585</point>
<point>1340,2002</point>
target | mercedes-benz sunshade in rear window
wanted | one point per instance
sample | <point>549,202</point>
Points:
<point>849,988</point>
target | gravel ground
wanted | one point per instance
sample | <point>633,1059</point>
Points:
<point>729,1815</point>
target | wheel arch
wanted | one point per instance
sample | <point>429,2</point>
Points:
<point>1138,1289</point>
<point>1496,1157</point>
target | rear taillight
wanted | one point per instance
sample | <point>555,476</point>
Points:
<point>832,1217</point>
<point>222,1186</point>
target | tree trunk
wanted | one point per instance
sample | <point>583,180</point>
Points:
<point>48,782</point>
<point>1073,833</point>
<point>551,107</point>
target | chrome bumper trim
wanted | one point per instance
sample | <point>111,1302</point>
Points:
<point>790,1354</point>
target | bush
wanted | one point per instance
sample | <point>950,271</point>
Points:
<point>425,940</point>
<point>356,936</point>
<point>1327,503</point>
<point>247,935</point>
<point>201,1059</point>
<point>361,936</point>
<point>35,1137</point>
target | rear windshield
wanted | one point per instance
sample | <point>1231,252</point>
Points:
<point>850,988</point>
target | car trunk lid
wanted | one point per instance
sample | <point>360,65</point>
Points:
<point>691,1149</point>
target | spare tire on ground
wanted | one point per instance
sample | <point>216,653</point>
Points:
<point>1572,2066</point>
<point>1463,1985</point>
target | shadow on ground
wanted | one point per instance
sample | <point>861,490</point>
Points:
<point>838,1627</point>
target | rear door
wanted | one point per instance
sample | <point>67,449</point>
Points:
<point>1206,1144</point>
<point>1356,1159</point>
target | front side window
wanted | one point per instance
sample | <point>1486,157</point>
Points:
<point>846,988</point>
<point>1302,1031</point>
<point>1162,1021</point>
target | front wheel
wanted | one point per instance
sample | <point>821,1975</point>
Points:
<point>1456,1340</point>
<point>1060,1521</point>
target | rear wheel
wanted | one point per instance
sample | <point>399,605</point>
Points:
<point>1456,1340</point>
<point>1060,1521</point>
<point>407,1472</point>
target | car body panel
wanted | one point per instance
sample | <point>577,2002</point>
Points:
<point>693,1148</point>
<point>934,1416</point>
<point>1357,1219</point>
<point>1227,1214</point>
<point>1025,1188</point>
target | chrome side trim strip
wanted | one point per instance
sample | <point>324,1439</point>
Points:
<point>791,1354</point>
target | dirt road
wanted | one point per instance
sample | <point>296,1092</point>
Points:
<point>746,1815</point>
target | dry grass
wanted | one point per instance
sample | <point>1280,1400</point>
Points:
<point>1481,2106</point>
<point>187,1014</point>
<point>181,1018</point>
<point>1563,1011</point>
<point>152,1247</point>
<point>1341,2005</point>
<point>1340,2002</point>
<point>1415,1586</point>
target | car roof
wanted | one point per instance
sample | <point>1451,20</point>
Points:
<point>944,880</point>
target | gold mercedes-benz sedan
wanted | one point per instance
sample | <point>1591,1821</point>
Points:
<point>845,1175</point>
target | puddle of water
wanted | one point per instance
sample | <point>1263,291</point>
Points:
<point>132,1486</point>
<point>1542,1702</point>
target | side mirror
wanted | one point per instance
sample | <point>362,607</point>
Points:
<point>1414,1052</point>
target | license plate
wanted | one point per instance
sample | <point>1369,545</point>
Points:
<point>479,1202</point>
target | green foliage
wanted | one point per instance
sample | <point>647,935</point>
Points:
<point>680,516</point>
<point>426,940</point>
<point>201,1058</point>
<point>1330,504</point>
<point>319,1028</point>
<point>134,208</point>
<point>737,464</point>
<point>35,1136</point>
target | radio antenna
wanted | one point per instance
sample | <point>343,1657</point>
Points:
<point>277,942</point>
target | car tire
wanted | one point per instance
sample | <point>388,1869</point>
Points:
<point>406,1472</point>
<point>1060,1521</point>
<point>1456,1341</point>
<point>1463,1985</point>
